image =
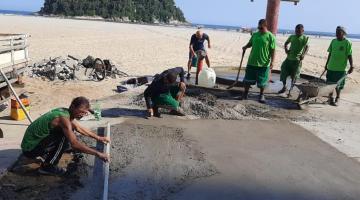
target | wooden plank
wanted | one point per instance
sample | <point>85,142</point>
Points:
<point>18,47</point>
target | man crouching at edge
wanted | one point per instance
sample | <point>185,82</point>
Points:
<point>52,133</point>
<point>165,92</point>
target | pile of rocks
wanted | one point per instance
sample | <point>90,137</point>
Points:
<point>55,68</point>
<point>69,68</point>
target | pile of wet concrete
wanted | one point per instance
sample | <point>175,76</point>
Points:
<point>201,103</point>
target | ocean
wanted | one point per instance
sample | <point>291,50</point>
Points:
<point>216,27</point>
<point>12,12</point>
<point>280,31</point>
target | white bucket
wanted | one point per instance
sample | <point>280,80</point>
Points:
<point>207,77</point>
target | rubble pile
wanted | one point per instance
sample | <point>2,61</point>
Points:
<point>72,68</point>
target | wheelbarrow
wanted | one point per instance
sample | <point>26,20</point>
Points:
<point>315,90</point>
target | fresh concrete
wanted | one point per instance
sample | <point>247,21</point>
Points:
<point>266,160</point>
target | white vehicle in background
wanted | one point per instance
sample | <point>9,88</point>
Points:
<point>14,58</point>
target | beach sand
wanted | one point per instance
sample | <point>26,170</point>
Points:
<point>146,50</point>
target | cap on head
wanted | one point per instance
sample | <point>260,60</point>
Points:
<point>79,102</point>
<point>341,28</point>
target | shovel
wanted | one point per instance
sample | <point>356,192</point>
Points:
<point>238,74</point>
<point>322,74</point>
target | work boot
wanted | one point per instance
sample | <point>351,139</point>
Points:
<point>335,102</point>
<point>149,115</point>
<point>283,90</point>
<point>156,112</point>
<point>52,170</point>
<point>245,96</point>
<point>332,101</point>
<point>262,98</point>
<point>178,112</point>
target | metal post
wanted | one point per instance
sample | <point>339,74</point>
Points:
<point>272,15</point>
<point>107,165</point>
<point>16,97</point>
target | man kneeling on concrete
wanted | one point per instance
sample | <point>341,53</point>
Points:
<point>49,136</point>
<point>165,92</point>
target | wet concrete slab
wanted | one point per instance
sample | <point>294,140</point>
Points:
<point>265,160</point>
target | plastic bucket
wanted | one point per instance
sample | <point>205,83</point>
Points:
<point>194,61</point>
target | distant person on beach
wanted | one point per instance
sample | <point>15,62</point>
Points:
<point>260,61</point>
<point>165,92</point>
<point>50,135</point>
<point>197,44</point>
<point>295,55</point>
<point>340,52</point>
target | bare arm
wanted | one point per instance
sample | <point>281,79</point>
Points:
<point>86,132</point>
<point>327,61</point>
<point>209,44</point>
<point>351,64</point>
<point>248,45</point>
<point>306,49</point>
<point>272,54</point>
<point>286,47</point>
<point>66,126</point>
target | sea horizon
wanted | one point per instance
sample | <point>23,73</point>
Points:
<point>211,26</point>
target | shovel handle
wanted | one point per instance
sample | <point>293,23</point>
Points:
<point>322,73</point>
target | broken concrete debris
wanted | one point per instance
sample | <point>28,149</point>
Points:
<point>72,68</point>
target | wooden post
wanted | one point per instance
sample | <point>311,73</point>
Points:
<point>272,15</point>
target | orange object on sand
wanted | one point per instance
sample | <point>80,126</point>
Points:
<point>16,112</point>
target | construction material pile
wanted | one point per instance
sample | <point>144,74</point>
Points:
<point>72,68</point>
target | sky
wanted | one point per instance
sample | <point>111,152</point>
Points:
<point>316,15</point>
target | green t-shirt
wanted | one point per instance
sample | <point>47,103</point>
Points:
<point>340,51</point>
<point>41,128</point>
<point>262,44</point>
<point>297,47</point>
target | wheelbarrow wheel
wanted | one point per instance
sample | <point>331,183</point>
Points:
<point>99,69</point>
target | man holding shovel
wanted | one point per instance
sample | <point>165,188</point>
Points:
<point>260,61</point>
<point>340,51</point>
<point>298,49</point>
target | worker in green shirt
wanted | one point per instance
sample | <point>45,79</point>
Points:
<point>50,135</point>
<point>340,52</point>
<point>292,65</point>
<point>260,61</point>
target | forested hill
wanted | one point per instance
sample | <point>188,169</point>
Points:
<point>148,11</point>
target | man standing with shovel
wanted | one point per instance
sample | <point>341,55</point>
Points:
<point>295,55</point>
<point>260,61</point>
<point>340,51</point>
